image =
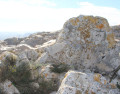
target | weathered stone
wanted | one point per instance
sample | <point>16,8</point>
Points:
<point>33,40</point>
<point>47,74</point>
<point>2,43</point>
<point>54,92</point>
<point>13,41</point>
<point>31,55</point>
<point>85,42</point>
<point>21,48</point>
<point>42,59</point>
<point>86,83</point>
<point>8,88</point>
<point>16,49</point>
<point>42,48</point>
<point>39,38</point>
<point>118,73</point>
<point>116,30</point>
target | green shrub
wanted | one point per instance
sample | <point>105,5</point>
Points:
<point>45,87</point>
<point>21,78</point>
<point>25,88</point>
<point>118,85</point>
<point>16,74</point>
<point>59,68</point>
<point>10,59</point>
<point>8,66</point>
<point>1,91</point>
<point>22,74</point>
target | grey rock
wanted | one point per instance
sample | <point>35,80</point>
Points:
<point>39,38</point>
<point>13,41</point>
<point>86,83</point>
<point>85,42</point>
<point>116,30</point>
<point>8,88</point>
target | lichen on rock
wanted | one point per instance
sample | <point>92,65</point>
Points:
<point>86,42</point>
<point>86,83</point>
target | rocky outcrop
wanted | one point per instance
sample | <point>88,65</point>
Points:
<point>13,41</point>
<point>86,83</point>
<point>86,42</point>
<point>37,64</point>
<point>39,38</point>
<point>33,39</point>
<point>2,43</point>
<point>16,49</point>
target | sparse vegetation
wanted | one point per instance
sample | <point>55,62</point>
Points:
<point>45,87</point>
<point>8,67</point>
<point>1,91</point>
<point>10,59</point>
<point>20,77</point>
<point>60,68</point>
<point>118,85</point>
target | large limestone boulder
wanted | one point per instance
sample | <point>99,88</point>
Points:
<point>86,83</point>
<point>8,88</point>
<point>86,42</point>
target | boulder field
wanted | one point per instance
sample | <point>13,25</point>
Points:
<point>82,58</point>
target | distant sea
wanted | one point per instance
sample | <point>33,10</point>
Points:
<point>5,35</point>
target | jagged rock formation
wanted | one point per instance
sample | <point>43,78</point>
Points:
<point>86,42</point>
<point>34,41</point>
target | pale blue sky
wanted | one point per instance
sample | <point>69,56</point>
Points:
<point>50,15</point>
<point>72,3</point>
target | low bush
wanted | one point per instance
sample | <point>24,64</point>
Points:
<point>20,76</point>
<point>59,68</point>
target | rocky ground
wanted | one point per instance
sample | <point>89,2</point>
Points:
<point>82,58</point>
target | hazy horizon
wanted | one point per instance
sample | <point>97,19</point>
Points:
<point>50,15</point>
